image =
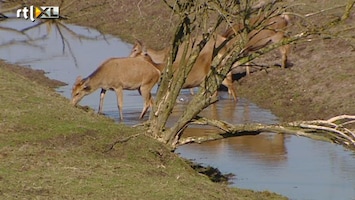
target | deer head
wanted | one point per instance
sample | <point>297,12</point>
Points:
<point>80,89</point>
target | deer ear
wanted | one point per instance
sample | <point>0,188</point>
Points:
<point>144,50</point>
<point>87,88</point>
<point>139,42</point>
<point>78,80</point>
<point>85,82</point>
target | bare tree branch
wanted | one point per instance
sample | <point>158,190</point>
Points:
<point>331,130</point>
<point>194,15</point>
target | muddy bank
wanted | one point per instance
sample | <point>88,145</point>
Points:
<point>320,84</point>
<point>37,76</point>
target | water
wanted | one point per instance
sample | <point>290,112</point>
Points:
<point>82,55</point>
<point>296,167</point>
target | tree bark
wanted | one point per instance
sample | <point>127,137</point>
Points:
<point>193,16</point>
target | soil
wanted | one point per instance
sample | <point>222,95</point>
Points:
<point>320,84</point>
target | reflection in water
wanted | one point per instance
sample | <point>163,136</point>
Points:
<point>269,149</point>
<point>81,56</point>
<point>296,167</point>
<point>308,169</point>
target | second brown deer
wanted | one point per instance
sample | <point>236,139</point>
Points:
<point>199,70</point>
<point>119,74</point>
<point>264,31</point>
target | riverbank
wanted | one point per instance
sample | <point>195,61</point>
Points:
<point>318,84</point>
<point>49,149</point>
<point>60,154</point>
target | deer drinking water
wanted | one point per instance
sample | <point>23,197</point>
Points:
<point>119,74</point>
<point>201,67</point>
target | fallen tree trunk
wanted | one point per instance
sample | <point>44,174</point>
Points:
<point>334,130</point>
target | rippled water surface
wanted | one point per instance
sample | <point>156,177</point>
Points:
<point>296,167</point>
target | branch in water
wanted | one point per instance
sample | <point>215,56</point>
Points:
<point>332,130</point>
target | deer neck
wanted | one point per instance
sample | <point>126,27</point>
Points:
<point>95,80</point>
<point>158,56</point>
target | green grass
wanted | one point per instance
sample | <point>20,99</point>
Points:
<point>52,150</point>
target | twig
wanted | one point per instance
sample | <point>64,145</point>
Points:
<point>329,130</point>
<point>333,119</point>
<point>139,8</point>
<point>121,141</point>
<point>322,11</point>
<point>65,41</point>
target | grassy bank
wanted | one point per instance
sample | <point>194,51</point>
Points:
<point>48,149</point>
<point>51,150</point>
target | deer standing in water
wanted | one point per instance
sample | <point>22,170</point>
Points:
<point>119,74</point>
<point>201,67</point>
<point>269,31</point>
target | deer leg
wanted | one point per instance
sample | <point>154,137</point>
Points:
<point>228,82</point>
<point>247,69</point>
<point>284,50</point>
<point>147,97</point>
<point>119,94</point>
<point>102,96</point>
<point>215,95</point>
<point>192,91</point>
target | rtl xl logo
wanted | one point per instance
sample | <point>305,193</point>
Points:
<point>42,12</point>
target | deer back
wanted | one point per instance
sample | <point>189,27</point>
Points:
<point>124,73</point>
<point>277,23</point>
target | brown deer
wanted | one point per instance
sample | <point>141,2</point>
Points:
<point>119,74</point>
<point>144,54</point>
<point>201,67</point>
<point>264,32</point>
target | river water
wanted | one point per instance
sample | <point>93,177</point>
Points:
<point>296,167</point>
